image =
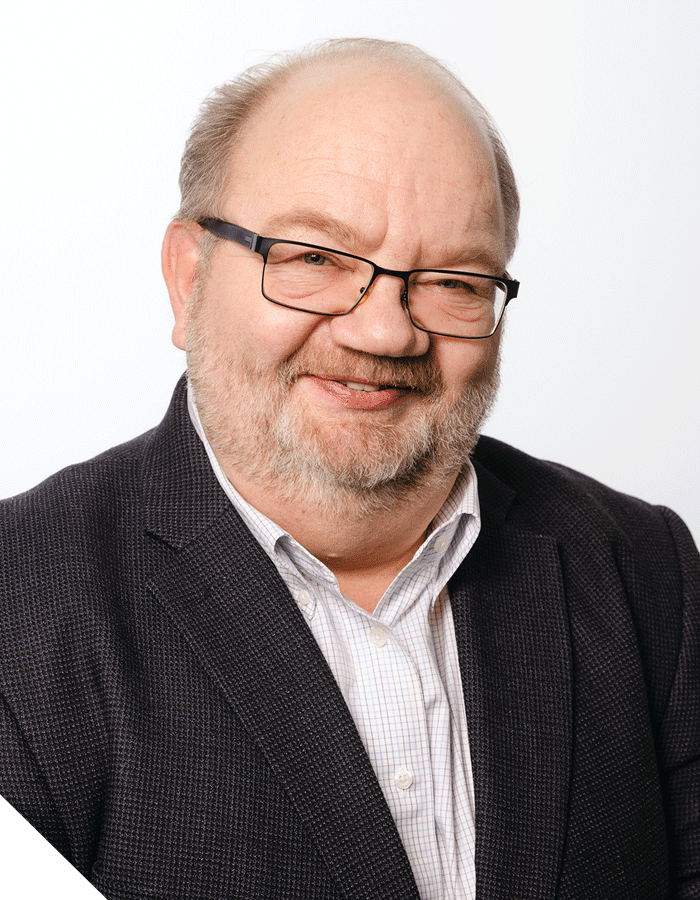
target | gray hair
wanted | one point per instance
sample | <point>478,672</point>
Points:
<point>221,121</point>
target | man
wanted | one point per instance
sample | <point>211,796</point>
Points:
<point>308,638</point>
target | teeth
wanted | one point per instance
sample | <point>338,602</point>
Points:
<point>360,387</point>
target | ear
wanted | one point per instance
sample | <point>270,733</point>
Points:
<point>179,258</point>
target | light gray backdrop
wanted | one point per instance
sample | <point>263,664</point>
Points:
<point>598,103</point>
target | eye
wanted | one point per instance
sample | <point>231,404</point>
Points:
<point>455,284</point>
<point>437,283</point>
<point>316,259</point>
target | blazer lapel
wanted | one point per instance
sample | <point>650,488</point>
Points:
<point>228,600</point>
<point>514,647</point>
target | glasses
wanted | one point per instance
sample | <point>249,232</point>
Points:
<point>326,282</point>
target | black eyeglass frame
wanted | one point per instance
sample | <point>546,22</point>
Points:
<point>262,246</point>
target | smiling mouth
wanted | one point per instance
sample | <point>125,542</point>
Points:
<point>365,387</point>
<point>358,395</point>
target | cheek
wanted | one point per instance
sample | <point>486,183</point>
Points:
<point>462,362</point>
<point>239,317</point>
<point>275,333</point>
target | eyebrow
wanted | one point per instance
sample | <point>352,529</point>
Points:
<point>480,257</point>
<point>333,228</point>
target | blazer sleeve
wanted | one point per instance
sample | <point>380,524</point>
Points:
<point>680,728</point>
<point>23,785</point>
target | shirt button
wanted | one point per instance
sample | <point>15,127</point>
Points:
<point>441,544</point>
<point>304,597</point>
<point>403,779</point>
<point>377,637</point>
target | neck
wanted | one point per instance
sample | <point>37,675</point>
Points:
<point>365,545</point>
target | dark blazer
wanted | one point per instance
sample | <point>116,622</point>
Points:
<point>169,723</point>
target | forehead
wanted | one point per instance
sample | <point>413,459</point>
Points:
<point>371,146</point>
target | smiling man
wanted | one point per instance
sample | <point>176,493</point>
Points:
<point>312,636</point>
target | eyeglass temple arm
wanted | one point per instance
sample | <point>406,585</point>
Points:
<point>232,233</point>
<point>512,287</point>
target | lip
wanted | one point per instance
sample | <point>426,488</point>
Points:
<point>332,388</point>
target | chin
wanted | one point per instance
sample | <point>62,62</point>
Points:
<point>264,437</point>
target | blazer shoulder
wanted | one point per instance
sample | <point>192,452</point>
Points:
<point>560,500</point>
<point>76,539</point>
<point>88,490</point>
<point>99,513</point>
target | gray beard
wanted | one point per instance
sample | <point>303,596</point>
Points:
<point>367,465</point>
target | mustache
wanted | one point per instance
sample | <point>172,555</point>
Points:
<point>415,373</point>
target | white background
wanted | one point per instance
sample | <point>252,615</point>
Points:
<point>598,102</point>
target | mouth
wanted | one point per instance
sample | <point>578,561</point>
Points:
<point>358,383</point>
<point>352,393</point>
<point>361,384</point>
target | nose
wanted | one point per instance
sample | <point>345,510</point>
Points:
<point>380,323</point>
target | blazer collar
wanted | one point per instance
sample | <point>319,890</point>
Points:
<point>181,496</point>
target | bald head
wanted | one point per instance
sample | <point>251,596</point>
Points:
<point>210,161</point>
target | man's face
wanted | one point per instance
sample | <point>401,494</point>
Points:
<point>384,167</point>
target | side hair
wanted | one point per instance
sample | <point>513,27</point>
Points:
<point>222,118</point>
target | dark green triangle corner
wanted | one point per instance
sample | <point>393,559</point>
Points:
<point>31,869</point>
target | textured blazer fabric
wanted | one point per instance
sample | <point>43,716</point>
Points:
<point>168,722</point>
